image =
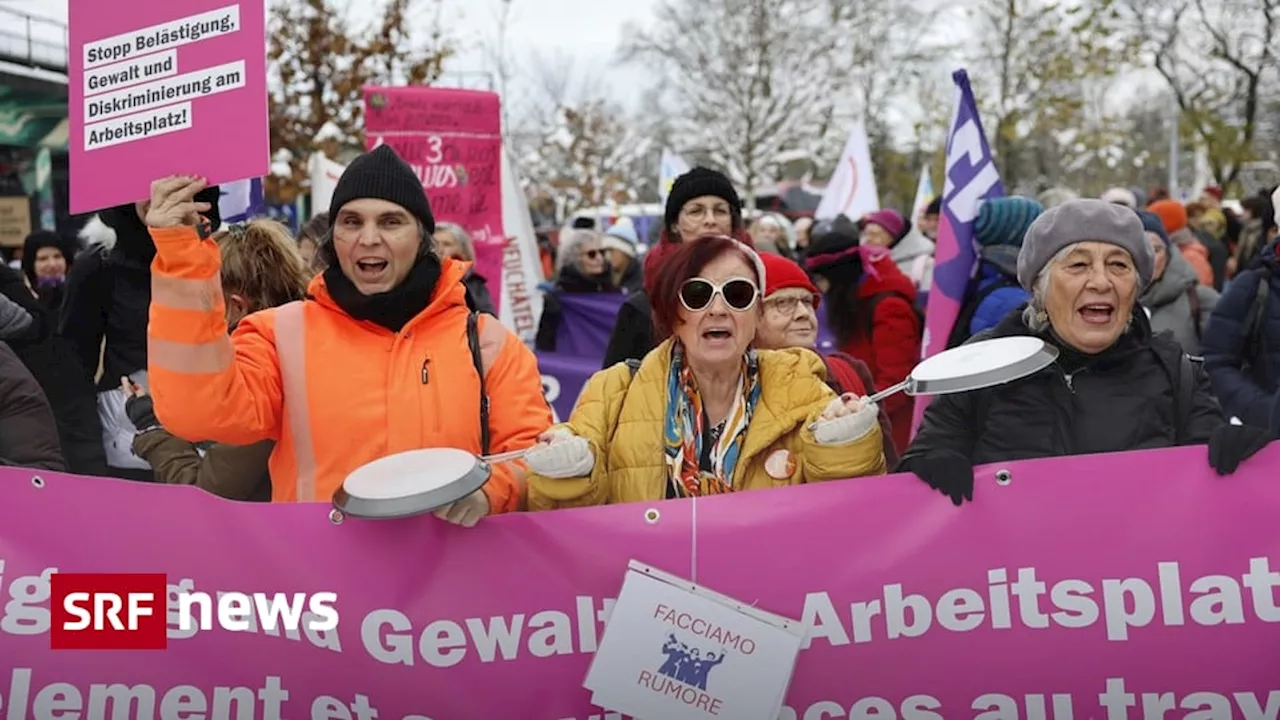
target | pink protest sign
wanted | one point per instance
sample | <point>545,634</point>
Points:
<point>163,89</point>
<point>453,140</point>
<point>1111,586</point>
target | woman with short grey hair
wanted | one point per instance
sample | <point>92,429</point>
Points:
<point>582,266</point>
<point>1115,386</point>
<point>452,241</point>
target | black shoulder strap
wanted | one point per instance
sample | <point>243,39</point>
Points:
<point>1193,301</point>
<point>473,342</point>
<point>1185,398</point>
<point>1255,320</point>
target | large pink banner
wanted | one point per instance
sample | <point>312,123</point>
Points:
<point>159,88</point>
<point>1118,586</point>
<point>453,140</point>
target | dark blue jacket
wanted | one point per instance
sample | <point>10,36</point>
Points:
<point>1248,393</point>
<point>999,265</point>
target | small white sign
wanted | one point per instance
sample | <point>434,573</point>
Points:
<point>678,651</point>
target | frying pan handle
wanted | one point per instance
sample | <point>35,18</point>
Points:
<point>891,390</point>
<point>506,456</point>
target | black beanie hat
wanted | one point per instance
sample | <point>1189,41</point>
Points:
<point>382,175</point>
<point>696,183</point>
<point>830,253</point>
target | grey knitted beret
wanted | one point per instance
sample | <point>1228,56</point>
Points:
<point>1083,221</point>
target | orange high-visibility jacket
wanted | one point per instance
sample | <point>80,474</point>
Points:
<point>332,391</point>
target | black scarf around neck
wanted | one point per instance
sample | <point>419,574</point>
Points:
<point>394,308</point>
<point>1072,360</point>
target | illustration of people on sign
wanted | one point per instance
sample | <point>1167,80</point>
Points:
<point>686,664</point>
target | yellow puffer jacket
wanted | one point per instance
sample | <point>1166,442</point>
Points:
<point>622,417</point>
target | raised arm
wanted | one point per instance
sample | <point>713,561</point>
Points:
<point>206,385</point>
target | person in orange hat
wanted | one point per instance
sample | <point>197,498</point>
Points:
<point>1173,215</point>
<point>790,320</point>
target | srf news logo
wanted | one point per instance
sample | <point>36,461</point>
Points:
<point>129,611</point>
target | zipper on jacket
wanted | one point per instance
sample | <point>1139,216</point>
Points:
<point>1066,377</point>
<point>430,406</point>
<point>1064,428</point>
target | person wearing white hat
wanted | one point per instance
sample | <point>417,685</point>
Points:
<point>620,242</point>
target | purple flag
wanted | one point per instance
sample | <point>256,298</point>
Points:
<point>971,176</point>
<point>242,200</point>
<point>586,322</point>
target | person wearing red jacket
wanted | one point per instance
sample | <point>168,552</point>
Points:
<point>790,319</point>
<point>871,310</point>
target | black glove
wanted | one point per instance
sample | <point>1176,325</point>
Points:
<point>141,413</point>
<point>946,471</point>
<point>1231,445</point>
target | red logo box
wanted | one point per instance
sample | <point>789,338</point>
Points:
<point>108,611</point>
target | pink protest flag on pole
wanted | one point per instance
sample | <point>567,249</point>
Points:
<point>453,140</point>
<point>162,88</point>
<point>971,176</point>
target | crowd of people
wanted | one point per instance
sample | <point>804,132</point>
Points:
<point>260,366</point>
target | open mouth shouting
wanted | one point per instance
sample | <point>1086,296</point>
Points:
<point>371,269</point>
<point>1098,313</point>
<point>718,335</point>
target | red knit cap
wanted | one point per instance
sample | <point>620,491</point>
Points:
<point>1171,213</point>
<point>781,273</point>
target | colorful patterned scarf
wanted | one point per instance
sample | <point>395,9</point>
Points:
<point>685,428</point>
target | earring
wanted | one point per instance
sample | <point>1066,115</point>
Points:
<point>1042,317</point>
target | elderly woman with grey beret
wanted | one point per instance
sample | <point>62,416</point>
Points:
<point>1115,386</point>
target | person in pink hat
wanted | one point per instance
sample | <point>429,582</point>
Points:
<point>882,228</point>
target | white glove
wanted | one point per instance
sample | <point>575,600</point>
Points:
<point>562,455</point>
<point>839,424</point>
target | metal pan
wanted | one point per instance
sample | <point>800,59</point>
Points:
<point>415,482</point>
<point>975,366</point>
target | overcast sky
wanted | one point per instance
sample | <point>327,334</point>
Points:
<point>588,31</point>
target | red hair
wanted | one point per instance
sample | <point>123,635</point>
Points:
<point>684,261</point>
<point>668,244</point>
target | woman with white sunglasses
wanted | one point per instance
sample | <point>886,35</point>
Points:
<point>704,413</point>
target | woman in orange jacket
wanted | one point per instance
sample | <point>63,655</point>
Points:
<point>379,359</point>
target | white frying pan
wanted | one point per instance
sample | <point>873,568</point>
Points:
<point>415,482</point>
<point>975,366</point>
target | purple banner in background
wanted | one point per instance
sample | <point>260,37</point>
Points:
<point>586,323</point>
<point>562,379</point>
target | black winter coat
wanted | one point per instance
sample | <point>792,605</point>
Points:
<point>1122,399</point>
<point>108,295</point>
<point>1246,382</point>
<point>632,336</point>
<point>69,391</point>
